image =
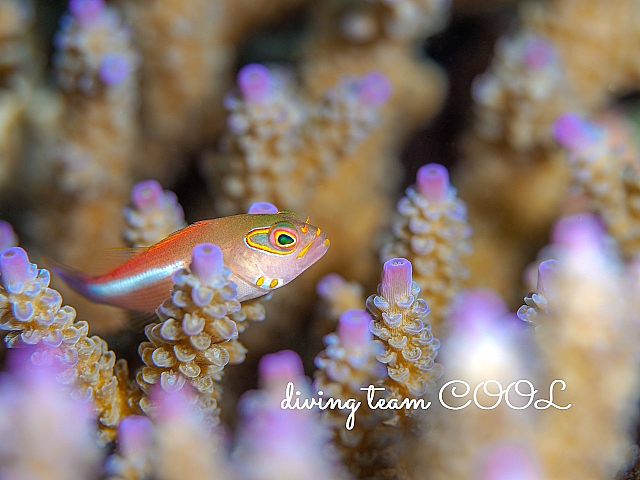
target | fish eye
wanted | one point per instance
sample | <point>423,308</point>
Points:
<point>284,240</point>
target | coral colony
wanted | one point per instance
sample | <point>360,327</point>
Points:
<point>438,337</point>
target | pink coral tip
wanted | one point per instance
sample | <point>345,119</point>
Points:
<point>329,284</point>
<point>396,279</point>
<point>433,182</point>
<point>134,434</point>
<point>207,263</point>
<point>15,269</point>
<point>86,10</point>
<point>580,231</point>
<point>147,195</point>
<point>114,69</point>
<point>353,328</point>
<point>538,52</point>
<point>255,81</point>
<point>262,207</point>
<point>280,367</point>
<point>375,89</point>
<point>7,235</point>
<point>575,133</point>
<point>478,310</point>
<point>546,272</point>
<point>509,462</point>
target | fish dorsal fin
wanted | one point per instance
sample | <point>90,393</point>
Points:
<point>181,231</point>
<point>111,258</point>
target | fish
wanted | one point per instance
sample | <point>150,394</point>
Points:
<point>263,251</point>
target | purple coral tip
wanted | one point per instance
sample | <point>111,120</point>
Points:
<point>262,207</point>
<point>575,133</point>
<point>375,89</point>
<point>475,311</point>
<point>114,69</point>
<point>86,10</point>
<point>207,262</point>
<point>538,53</point>
<point>7,236</point>
<point>329,284</point>
<point>255,81</point>
<point>147,195</point>
<point>280,367</point>
<point>508,462</point>
<point>396,279</point>
<point>134,434</point>
<point>433,182</point>
<point>580,231</point>
<point>15,268</point>
<point>353,328</point>
<point>546,271</point>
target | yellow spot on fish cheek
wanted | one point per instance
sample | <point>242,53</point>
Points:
<point>273,283</point>
<point>260,281</point>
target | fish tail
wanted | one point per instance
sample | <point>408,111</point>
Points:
<point>77,280</point>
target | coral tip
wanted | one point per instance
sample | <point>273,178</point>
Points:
<point>396,279</point>
<point>263,207</point>
<point>254,81</point>
<point>353,328</point>
<point>284,366</point>
<point>86,10</point>
<point>147,195</point>
<point>15,268</point>
<point>575,133</point>
<point>114,69</point>
<point>433,182</point>
<point>375,89</point>
<point>207,262</point>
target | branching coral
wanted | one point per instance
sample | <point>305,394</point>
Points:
<point>400,325</point>
<point>585,291</point>
<point>599,172</point>
<point>432,232</point>
<point>280,146</point>
<point>155,214</point>
<point>33,314</point>
<point>197,336</point>
<point>43,432</point>
<point>346,368</point>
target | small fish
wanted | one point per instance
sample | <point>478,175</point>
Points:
<point>263,251</point>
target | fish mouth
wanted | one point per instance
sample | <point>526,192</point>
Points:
<point>315,250</point>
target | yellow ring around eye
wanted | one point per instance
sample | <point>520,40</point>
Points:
<point>266,248</point>
<point>278,233</point>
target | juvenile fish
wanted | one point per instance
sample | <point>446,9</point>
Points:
<point>263,251</point>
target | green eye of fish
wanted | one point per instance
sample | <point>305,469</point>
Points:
<point>284,238</point>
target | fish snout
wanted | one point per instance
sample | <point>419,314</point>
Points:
<point>317,247</point>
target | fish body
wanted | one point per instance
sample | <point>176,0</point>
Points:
<point>263,252</point>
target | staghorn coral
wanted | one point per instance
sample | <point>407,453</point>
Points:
<point>367,446</point>
<point>197,334</point>
<point>432,232</point>
<point>282,443</point>
<point>57,431</point>
<point>522,93</point>
<point>280,146</point>
<point>400,325</point>
<point>585,290</point>
<point>33,314</point>
<point>155,214</point>
<point>601,175</point>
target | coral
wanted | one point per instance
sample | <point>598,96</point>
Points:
<point>432,232</point>
<point>8,237</point>
<point>57,432</point>
<point>347,365</point>
<point>400,325</point>
<point>154,215</point>
<point>281,443</point>
<point>599,173</point>
<point>197,334</point>
<point>584,291</point>
<point>33,314</point>
<point>522,93</point>
<point>280,146</point>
